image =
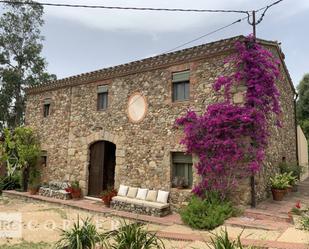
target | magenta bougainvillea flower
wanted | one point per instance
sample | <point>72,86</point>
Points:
<point>229,139</point>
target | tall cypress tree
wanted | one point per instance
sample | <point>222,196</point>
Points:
<point>21,62</point>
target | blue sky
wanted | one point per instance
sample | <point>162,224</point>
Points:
<point>82,40</point>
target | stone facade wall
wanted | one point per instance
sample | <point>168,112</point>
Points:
<point>143,150</point>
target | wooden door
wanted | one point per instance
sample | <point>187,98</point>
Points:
<point>96,168</point>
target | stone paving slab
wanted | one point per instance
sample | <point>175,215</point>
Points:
<point>246,222</point>
<point>296,235</point>
<point>249,233</point>
<point>94,206</point>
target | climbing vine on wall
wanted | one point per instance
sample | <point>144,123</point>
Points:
<point>230,139</point>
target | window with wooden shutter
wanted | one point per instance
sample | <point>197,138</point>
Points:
<point>181,86</point>
<point>102,101</point>
<point>181,170</point>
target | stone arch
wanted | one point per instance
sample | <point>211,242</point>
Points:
<point>103,135</point>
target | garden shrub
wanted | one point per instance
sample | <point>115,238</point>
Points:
<point>10,182</point>
<point>304,222</point>
<point>19,152</point>
<point>133,236</point>
<point>295,168</point>
<point>222,241</point>
<point>206,213</point>
<point>83,235</point>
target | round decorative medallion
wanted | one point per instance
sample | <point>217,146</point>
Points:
<point>137,107</point>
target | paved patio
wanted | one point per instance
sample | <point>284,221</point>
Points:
<point>269,225</point>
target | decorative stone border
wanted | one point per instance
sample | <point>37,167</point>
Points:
<point>139,209</point>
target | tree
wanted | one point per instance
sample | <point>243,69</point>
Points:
<point>21,63</point>
<point>20,152</point>
<point>303,104</point>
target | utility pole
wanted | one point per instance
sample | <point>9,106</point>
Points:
<point>254,24</point>
<point>252,180</point>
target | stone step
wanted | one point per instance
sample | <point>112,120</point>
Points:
<point>260,214</point>
<point>246,222</point>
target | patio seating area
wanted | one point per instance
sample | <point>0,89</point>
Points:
<point>269,225</point>
<point>142,201</point>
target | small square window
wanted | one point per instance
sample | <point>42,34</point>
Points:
<point>181,86</point>
<point>181,170</point>
<point>102,101</point>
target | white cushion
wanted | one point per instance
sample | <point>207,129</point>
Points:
<point>162,196</point>
<point>152,195</point>
<point>141,193</point>
<point>132,192</point>
<point>123,190</point>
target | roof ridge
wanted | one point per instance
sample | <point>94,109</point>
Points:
<point>143,64</point>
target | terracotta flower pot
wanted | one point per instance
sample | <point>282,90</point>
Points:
<point>33,191</point>
<point>107,198</point>
<point>76,194</point>
<point>278,194</point>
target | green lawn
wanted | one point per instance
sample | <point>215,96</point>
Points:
<point>27,245</point>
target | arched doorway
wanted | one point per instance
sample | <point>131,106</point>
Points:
<point>101,167</point>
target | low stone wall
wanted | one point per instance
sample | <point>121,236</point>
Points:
<point>179,198</point>
<point>139,209</point>
<point>58,194</point>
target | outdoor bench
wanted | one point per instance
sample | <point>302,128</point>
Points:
<point>141,201</point>
<point>55,190</point>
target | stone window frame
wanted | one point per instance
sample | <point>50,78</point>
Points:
<point>172,171</point>
<point>109,97</point>
<point>51,107</point>
<point>178,82</point>
<point>179,68</point>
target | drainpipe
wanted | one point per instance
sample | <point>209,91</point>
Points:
<point>295,120</point>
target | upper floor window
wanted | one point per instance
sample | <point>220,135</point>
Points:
<point>46,107</point>
<point>181,86</point>
<point>181,170</point>
<point>102,101</point>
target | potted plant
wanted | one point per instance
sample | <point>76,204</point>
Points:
<point>180,182</point>
<point>74,190</point>
<point>295,170</point>
<point>292,181</point>
<point>34,181</point>
<point>279,184</point>
<point>107,196</point>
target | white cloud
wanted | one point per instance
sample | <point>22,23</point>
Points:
<point>148,21</point>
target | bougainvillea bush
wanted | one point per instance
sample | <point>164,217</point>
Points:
<point>230,139</point>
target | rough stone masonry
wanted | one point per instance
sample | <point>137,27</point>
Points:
<point>143,149</point>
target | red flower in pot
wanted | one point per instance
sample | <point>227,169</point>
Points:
<point>74,190</point>
<point>107,196</point>
<point>297,205</point>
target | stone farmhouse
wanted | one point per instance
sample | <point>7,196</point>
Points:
<point>115,125</point>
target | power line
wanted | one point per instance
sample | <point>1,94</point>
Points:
<point>207,34</point>
<point>264,12</point>
<point>265,8</point>
<point>125,8</point>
